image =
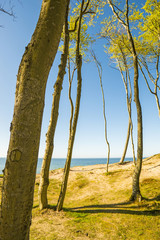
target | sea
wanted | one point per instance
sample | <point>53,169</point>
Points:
<point>60,162</point>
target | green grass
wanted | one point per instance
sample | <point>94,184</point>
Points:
<point>150,188</point>
<point>100,216</point>
<point>80,182</point>
<point>96,207</point>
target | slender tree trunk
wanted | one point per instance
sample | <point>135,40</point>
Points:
<point>128,89</point>
<point>129,131</point>
<point>20,168</point>
<point>136,175</point>
<point>75,119</point>
<point>71,138</point>
<point>134,159</point>
<point>69,94</point>
<point>44,175</point>
<point>105,121</point>
<point>99,68</point>
<point>136,194</point>
<point>126,144</point>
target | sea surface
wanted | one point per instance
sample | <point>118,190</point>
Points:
<point>60,162</point>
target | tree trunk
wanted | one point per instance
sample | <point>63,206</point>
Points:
<point>136,194</point>
<point>75,119</point>
<point>71,138</point>
<point>128,89</point>
<point>20,168</point>
<point>99,68</point>
<point>126,144</point>
<point>44,176</point>
<point>138,165</point>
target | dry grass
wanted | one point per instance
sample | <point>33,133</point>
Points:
<point>96,205</point>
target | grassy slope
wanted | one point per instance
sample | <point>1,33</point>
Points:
<point>96,205</point>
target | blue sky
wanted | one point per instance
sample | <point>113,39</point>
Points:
<point>90,141</point>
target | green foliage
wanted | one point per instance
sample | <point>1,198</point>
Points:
<point>145,28</point>
<point>85,38</point>
<point>94,10</point>
<point>150,28</point>
<point>117,44</point>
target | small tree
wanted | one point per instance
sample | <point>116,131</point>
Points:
<point>90,7</point>
<point>99,68</point>
<point>76,113</point>
<point>123,18</point>
<point>117,47</point>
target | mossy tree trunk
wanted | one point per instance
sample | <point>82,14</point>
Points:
<point>44,175</point>
<point>75,118</point>
<point>20,168</point>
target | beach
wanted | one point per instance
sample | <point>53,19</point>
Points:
<point>150,169</point>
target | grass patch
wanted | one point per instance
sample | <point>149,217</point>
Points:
<point>112,173</point>
<point>150,188</point>
<point>96,207</point>
<point>53,191</point>
<point>80,182</point>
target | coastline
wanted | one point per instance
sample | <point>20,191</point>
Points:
<point>150,169</point>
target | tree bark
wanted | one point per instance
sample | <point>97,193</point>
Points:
<point>44,176</point>
<point>75,119</point>
<point>136,194</point>
<point>20,168</point>
<point>71,139</point>
<point>126,144</point>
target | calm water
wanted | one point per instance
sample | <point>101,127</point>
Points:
<point>59,162</point>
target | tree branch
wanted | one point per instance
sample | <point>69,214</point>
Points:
<point>6,12</point>
<point>116,14</point>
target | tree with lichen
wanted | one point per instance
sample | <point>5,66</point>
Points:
<point>20,168</point>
